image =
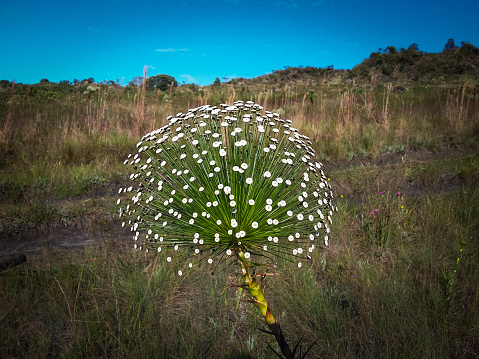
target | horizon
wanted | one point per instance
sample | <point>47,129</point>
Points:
<point>222,39</point>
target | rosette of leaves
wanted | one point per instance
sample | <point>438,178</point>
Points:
<point>228,182</point>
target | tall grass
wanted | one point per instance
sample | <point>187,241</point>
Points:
<point>358,299</point>
<point>381,289</point>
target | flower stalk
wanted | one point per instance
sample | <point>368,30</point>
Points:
<point>255,289</point>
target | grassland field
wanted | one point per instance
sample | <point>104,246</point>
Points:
<point>400,284</point>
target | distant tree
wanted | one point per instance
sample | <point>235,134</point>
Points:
<point>44,81</point>
<point>450,45</point>
<point>161,82</point>
<point>413,48</point>
<point>136,81</point>
<point>64,82</point>
<point>390,49</point>
<point>217,82</point>
<point>469,48</point>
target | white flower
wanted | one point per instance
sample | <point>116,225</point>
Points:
<point>289,213</point>
<point>232,203</point>
<point>228,252</point>
<point>216,169</point>
<point>247,255</point>
<point>269,201</point>
<point>300,217</point>
<point>210,261</point>
<point>227,189</point>
<point>180,273</point>
<point>249,180</point>
<point>268,208</point>
<point>267,174</point>
<point>300,264</point>
<point>254,224</point>
<point>244,166</point>
<point>218,222</point>
<point>251,202</point>
<point>201,189</point>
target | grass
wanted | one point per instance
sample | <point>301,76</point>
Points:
<point>358,299</point>
<point>382,288</point>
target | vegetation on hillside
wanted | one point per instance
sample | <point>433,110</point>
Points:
<point>400,276</point>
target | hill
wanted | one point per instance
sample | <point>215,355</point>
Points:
<point>404,65</point>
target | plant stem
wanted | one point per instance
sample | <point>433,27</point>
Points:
<point>256,291</point>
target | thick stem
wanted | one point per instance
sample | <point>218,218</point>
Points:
<point>256,291</point>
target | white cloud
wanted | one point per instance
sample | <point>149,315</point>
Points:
<point>188,78</point>
<point>171,50</point>
<point>290,4</point>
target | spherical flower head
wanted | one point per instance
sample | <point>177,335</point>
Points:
<point>216,183</point>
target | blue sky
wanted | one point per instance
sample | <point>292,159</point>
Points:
<point>197,41</point>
